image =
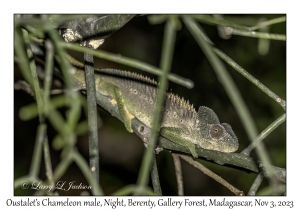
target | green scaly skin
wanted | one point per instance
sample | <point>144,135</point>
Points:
<point>135,96</point>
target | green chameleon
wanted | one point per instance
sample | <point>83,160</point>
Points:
<point>135,96</point>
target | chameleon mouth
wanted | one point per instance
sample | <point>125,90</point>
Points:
<point>223,145</point>
<point>228,144</point>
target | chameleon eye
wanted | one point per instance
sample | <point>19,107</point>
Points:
<point>216,131</point>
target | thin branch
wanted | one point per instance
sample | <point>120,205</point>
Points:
<point>218,21</point>
<point>268,23</point>
<point>252,79</point>
<point>48,75</point>
<point>48,164</point>
<point>92,116</point>
<point>130,62</point>
<point>51,22</point>
<point>264,134</point>
<point>178,173</point>
<point>256,184</point>
<point>166,60</point>
<point>62,167</point>
<point>35,81</point>
<point>74,113</point>
<point>37,151</point>
<point>22,56</point>
<point>82,164</point>
<point>29,112</point>
<point>129,189</point>
<point>255,34</point>
<point>212,175</point>
<point>155,178</point>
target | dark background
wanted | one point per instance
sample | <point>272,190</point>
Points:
<point>121,152</point>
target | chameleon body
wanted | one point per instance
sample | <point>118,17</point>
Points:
<point>135,96</point>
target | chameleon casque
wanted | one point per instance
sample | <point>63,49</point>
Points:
<point>135,96</point>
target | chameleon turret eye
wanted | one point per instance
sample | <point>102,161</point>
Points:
<point>216,131</point>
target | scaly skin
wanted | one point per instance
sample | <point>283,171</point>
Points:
<point>135,96</point>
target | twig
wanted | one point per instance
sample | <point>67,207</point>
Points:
<point>130,62</point>
<point>62,167</point>
<point>178,173</point>
<point>92,116</point>
<point>256,184</point>
<point>129,189</point>
<point>155,178</point>
<point>48,75</point>
<point>47,23</point>
<point>74,113</point>
<point>37,151</point>
<point>22,56</point>
<point>166,60</point>
<point>218,21</point>
<point>82,164</point>
<point>264,134</point>
<point>268,23</point>
<point>35,81</point>
<point>212,175</point>
<point>252,79</point>
<point>48,164</point>
<point>255,34</point>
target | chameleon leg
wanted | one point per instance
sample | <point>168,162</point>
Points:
<point>126,115</point>
<point>116,94</point>
<point>176,135</point>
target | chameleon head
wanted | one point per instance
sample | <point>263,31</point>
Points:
<point>213,134</point>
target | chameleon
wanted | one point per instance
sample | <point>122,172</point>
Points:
<point>135,95</point>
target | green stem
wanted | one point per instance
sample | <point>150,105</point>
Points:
<point>48,75</point>
<point>74,113</point>
<point>82,164</point>
<point>256,184</point>
<point>62,167</point>
<point>155,178</point>
<point>260,35</point>
<point>129,189</point>
<point>252,79</point>
<point>22,56</point>
<point>37,151</point>
<point>264,134</point>
<point>178,173</point>
<point>92,116</point>
<point>268,23</point>
<point>129,62</point>
<point>218,21</point>
<point>48,164</point>
<point>166,60</point>
<point>35,80</point>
